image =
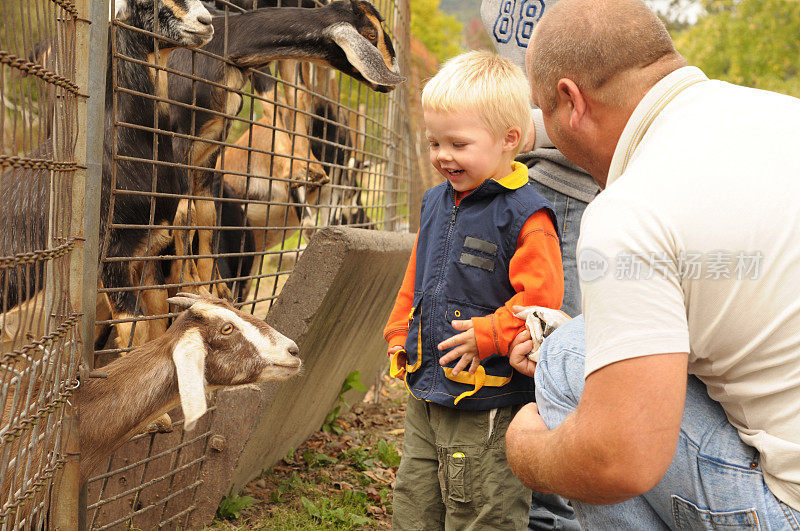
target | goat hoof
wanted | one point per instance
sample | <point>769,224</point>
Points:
<point>162,424</point>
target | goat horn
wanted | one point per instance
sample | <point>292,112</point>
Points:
<point>189,295</point>
<point>181,302</point>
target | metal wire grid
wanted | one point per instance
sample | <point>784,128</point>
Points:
<point>364,145</point>
<point>38,354</point>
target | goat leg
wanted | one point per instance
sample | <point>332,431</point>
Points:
<point>185,269</point>
<point>300,105</point>
<point>145,274</point>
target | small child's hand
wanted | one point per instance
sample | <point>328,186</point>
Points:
<point>394,349</point>
<point>399,367</point>
<point>466,348</point>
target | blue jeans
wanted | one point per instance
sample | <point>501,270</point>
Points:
<point>714,480</point>
<point>568,215</point>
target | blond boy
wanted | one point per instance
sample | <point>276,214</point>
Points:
<point>486,242</point>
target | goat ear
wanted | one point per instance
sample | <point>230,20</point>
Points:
<point>363,55</point>
<point>189,357</point>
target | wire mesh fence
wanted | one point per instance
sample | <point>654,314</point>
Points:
<point>39,355</point>
<point>220,163</point>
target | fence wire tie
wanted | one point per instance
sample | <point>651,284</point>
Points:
<point>33,257</point>
<point>13,161</point>
<point>38,70</point>
<point>62,330</point>
<point>67,6</point>
<point>11,508</point>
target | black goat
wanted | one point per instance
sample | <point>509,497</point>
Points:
<point>185,22</point>
<point>127,152</point>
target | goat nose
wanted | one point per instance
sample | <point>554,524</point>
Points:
<point>205,20</point>
<point>293,350</point>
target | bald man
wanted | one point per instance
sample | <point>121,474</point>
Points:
<point>674,402</point>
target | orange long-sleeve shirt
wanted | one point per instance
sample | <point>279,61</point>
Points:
<point>535,272</point>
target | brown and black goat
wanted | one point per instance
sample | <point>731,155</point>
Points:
<point>137,160</point>
<point>267,160</point>
<point>346,35</point>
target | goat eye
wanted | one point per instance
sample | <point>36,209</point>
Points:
<point>371,34</point>
<point>226,329</point>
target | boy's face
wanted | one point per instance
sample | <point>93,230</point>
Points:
<point>465,151</point>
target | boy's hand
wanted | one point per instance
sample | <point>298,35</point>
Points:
<point>401,360</point>
<point>518,352</point>
<point>466,348</point>
<point>394,349</point>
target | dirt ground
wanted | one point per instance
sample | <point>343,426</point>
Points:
<point>334,480</point>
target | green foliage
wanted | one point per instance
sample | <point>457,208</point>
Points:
<point>748,42</point>
<point>360,458</point>
<point>317,459</point>
<point>353,381</point>
<point>288,486</point>
<point>363,459</point>
<point>348,512</point>
<point>438,31</point>
<point>230,506</point>
<point>388,454</point>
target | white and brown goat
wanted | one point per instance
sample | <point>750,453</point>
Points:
<point>209,346</point>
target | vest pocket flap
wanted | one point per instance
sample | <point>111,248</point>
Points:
<point>477,261</point>
<point>463,310</point>
<point>471,242</point>
<point>413,346</point>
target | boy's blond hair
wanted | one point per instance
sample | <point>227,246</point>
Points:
<point>485,83</point>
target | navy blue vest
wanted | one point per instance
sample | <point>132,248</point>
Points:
<point>463,256</point>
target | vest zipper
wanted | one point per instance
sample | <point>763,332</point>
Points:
<point>432,315</point>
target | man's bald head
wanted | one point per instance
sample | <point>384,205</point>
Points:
<point>592,42</point>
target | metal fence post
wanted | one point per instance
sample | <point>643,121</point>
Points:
<point>90,72</point>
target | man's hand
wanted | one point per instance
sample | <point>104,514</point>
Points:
<point>464,346</point>
<point>518,352</point>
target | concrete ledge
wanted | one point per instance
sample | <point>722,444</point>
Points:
<point>334,305</point>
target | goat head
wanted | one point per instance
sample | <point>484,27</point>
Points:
<point>222,346</point>
<point>368,49</point>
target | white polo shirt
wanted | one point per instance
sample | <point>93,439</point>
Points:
<point>694,247</point>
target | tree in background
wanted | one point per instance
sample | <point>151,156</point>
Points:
<point>476,38</point>
<point>755,43</point>
<point>438,31</point>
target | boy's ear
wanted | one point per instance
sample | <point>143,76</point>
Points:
<point>512,139</point>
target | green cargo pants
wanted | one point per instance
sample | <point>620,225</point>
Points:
<point>454,473</point>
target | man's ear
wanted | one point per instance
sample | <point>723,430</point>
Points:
<point>570,95</point>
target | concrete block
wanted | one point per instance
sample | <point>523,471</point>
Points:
<point>334,305</point>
